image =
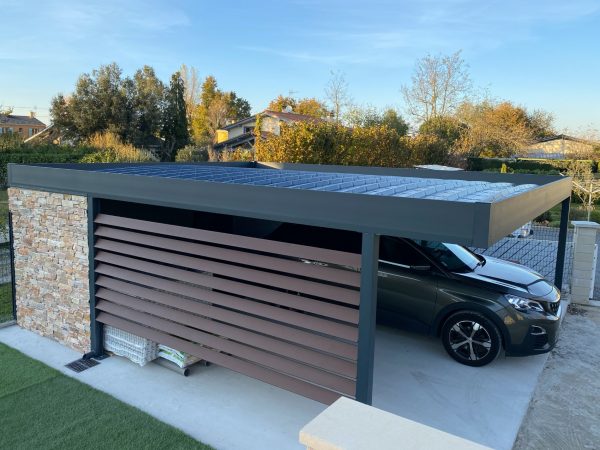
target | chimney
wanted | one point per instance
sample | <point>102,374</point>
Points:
<point>31,114</point>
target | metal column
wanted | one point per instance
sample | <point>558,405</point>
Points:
<point>562,242</point>
<point>367,317</point>
<point>96,328</point>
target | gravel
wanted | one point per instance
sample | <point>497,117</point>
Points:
<point>565,410</point>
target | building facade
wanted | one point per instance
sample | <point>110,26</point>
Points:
<point>25,126</point>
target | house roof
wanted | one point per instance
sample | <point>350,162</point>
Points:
<point>12,119</point>
<point>292,116</point>
<point>567,138</point>
<point>470,208</point>
<point>285,116</point>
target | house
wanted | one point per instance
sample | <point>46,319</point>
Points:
<point>560,146</point>
<point>241,134</point>
<point>26,126</point>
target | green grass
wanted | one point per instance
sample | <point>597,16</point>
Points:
<point>5,303</point>
<point>42,408</point>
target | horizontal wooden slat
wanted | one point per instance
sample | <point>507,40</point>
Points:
<point>298,319</point>
<point>247,368</point>
<point>268,327</point>
<point>341,276</point>
<point>298,302</point>
<point>235,240</point>
<point>303,355</point>
<point>269,360</point>
<point>335,293</point>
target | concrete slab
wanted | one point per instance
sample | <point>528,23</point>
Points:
<point>414,378</point>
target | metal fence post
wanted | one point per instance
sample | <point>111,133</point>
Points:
<point>13,286</point>
<point>562,242</point>
<point>367,317</point>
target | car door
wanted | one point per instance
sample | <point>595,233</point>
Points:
<point>407,286</point>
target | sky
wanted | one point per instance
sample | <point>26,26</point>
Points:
<point>541,54</point>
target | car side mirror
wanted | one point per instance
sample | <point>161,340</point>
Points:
<point>421,268</point>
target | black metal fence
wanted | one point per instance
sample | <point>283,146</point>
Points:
<point>7,312</point>
<point>536,245</point>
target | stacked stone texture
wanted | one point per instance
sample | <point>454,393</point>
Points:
<point>50,232</point>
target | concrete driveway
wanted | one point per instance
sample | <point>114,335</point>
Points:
<point>414,378</point>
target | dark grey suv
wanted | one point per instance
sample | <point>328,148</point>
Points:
<point>477,305</point>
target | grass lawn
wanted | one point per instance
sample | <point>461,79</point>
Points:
<point>5,304</point>
<point>42,408</point>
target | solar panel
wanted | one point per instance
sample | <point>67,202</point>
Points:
<point>382,185</point>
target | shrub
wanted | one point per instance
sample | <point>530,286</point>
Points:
<point>110,148</point>
<point>191,153</point>
<point>332,143</point>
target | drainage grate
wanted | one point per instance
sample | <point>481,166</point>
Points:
<point>81,364</point>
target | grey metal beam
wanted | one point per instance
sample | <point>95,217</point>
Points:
<point>367,317</point>
<point>562,242</point>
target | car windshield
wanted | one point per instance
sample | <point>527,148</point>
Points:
<point>452,257</point>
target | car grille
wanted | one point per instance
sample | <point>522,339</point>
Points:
<point>553,307</point>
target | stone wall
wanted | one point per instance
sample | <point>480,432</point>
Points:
<point>50,233</point>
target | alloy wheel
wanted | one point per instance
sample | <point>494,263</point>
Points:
<point>469,340</point>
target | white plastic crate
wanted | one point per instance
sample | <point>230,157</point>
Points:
<point>137,349</point>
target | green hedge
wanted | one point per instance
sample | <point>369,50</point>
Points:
<point>524,165</point>
<point>24,154</point>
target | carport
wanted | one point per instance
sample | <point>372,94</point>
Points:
<point>252,304</point>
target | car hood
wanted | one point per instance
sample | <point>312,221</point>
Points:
<point>508,276</point>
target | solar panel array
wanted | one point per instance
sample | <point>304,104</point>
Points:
<point>392,186</point>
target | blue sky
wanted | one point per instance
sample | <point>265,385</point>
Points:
<point>538,53</point>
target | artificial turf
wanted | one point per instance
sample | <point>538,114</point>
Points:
<point>42,408</point>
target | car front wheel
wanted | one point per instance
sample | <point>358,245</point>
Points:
<point>471,338</point>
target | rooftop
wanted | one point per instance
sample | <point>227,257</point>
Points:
<point>382,185</point>
<point>12,119</point>
<point>470,208</point>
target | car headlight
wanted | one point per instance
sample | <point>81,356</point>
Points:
<point>524,304</point>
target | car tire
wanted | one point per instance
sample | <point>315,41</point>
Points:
<point>471,338</point>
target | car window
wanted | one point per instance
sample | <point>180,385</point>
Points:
<point>400,252</point>
<point>452,257</point>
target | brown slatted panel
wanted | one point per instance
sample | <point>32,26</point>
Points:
<point>330,363</point>
<point>277,379</point>
<point>275,318</point>
<point>299,302</point>
<point>251,259</point>
<point>335,293</point>
<point>268,327</point>
<point>234,240</point>
<point>260,309</point>
<point>271,361</point>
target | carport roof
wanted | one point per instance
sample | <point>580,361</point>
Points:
<point>471,208</point>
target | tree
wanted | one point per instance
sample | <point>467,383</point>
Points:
<point>191,87</point>
<point>175,127</point>
<point>585,185</point>
<point>307,106</point>
<point>370,116</point>
<point>282,102</point>
<point>208,118</point>
<point>146,97</point>
<point>494,130</point>
<point>439,84</point>
<point>336,92</point>
<point>391,119</point>
<point>98,104</point>
<point>448,129</point>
